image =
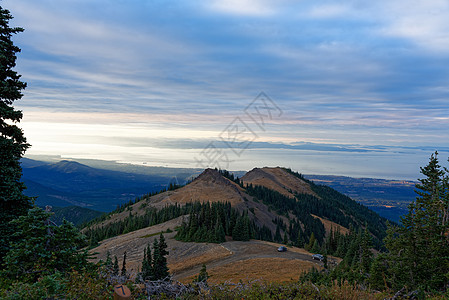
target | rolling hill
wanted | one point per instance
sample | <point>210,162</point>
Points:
<point>276,202</point>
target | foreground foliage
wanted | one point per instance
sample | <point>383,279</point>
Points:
<point>417,256</point>
<point>13,202</point>
<point>42,248</point>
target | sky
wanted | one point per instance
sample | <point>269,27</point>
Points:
<point>356,88</point>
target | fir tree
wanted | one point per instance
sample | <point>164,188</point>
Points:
<point>160,263</point>
<point>147,264</point>
<point>108,263</point>
<point>203,276</point>
<point>123,271</point>
<point>277,235</point>
<point>365,252</point>
<point>316,247</point>
<point>377,273</point>
<point>115,269</point>
<point>13,203</point>
<point>156,260</point>
<point>419,249</point>
<point>285,239</point>
<point>42,247</point>
<point>300,239</point>
<point>311,243</point>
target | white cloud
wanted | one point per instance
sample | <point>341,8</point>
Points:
<point>243,7</point>
<point>425,23</point>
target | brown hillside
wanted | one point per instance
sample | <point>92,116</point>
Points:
<point>287,184</point>
<point>329,225</point>
<point>209,186</point>
<point>279,180</point>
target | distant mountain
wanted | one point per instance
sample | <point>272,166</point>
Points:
<point>67,183</point>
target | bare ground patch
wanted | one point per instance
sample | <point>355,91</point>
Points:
<point>212,254</point>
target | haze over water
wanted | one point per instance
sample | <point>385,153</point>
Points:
<point>356,88</point>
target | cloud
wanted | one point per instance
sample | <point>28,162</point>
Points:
<point>345,73</point>
<point>243,7</point>
<point>423,23</point>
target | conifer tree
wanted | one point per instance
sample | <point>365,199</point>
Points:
<point>13,203</point>
<point>160,262</point>
<point>156,260</point>
<point>42,247</point>
<point>365,252</point>
<point>378,273</point>
<point>311,243</point>
<point>419,249</point>
<point>285,239</point>
<point>147,264</point>
<point>203,276</point>
<point>115,269</point>
<point>123,271</point>
<point>300,240</point>
<point>277,235</point>
<point>108,263</point>
<point>316,247</point>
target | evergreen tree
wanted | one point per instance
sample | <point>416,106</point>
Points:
<point>277,235</point>
<point>123,272</point>
<point>365,252</point>
<point>42,247</point>
<point>311,243</point>
<point>13,203</point>
<point>325,260</point>
<point>300,240</point>
<point>419,249</point>
<point>160,263</point>
<point>285,239</point>
<point>156,260</point>
<point>219,233</point>
<point>147,264</point>
<point>203,276</point>
<point>115,269</point>
<point>108,263</point>
<point>378,273</point>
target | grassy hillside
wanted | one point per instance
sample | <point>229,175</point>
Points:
<point>285,208</point>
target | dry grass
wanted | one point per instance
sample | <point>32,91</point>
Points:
<point>134,243</point>
<point>329,225</point>
<point>212,254</point>
<point>279,180</point>
<point>268,269</point>
<point>210,186</point>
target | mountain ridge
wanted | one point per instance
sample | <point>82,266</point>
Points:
<point>319,210</point>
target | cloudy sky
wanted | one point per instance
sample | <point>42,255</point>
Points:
<point>357,88</point>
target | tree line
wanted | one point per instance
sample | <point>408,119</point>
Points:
<point>132,222</point>
<point>211,222</point>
